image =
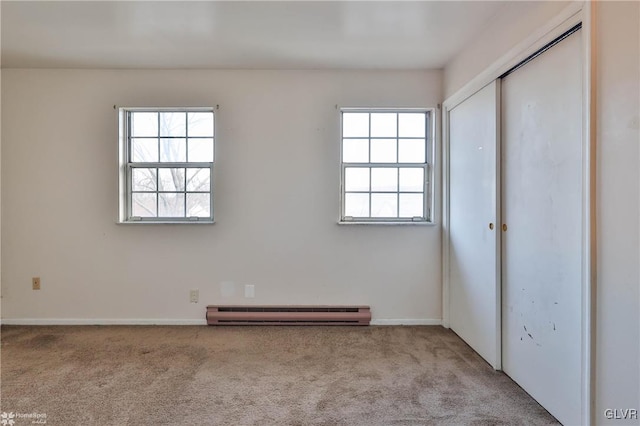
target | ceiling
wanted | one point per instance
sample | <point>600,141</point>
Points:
<point>239,34</point>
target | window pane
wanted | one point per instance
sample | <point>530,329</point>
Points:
<point>384,125</point>
<point>412,125</point>
<point>355,125</point>
<point>171,179</point>
<point>384,205</point>
<point>173,124</point>
<point>201,124</point>
<point>411,205</point>
<point>171,205</point>
<point>198,205</point>
<point>198,180</point>
<point>383,151</point>
<point>144,124</point>
<point>356,179</point>
<point>143,205</point>
<point>143,179</point>
<point>384,179</point>
<point>144,150</point>
<point>356,205</point>
<point>355,150</point>
<point>201,150</point>
<point>412,179</point>
<point>172,150</point>
<point>411,151</point>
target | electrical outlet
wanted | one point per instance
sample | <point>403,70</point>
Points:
<point>194,295</point>
<point>250,291</point>
<point>35,281</point>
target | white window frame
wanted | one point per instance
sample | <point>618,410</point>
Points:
<point>427,166</point>
<point>126,165</point>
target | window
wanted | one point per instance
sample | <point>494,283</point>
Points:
<point>385,165</point>
<point>166,165</point>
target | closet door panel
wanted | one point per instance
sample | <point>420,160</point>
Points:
<point>473,285</point>
<point>542,245</point>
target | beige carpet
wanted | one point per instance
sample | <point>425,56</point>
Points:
<point>183,375</point>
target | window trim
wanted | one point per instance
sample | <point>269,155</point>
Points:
<point>428,167</point>
<point>126,166</point>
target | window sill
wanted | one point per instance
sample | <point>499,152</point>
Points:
<point>355,222</point>
<point>167,222</point>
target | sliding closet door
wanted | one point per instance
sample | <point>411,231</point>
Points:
<point>473,280</point>
<point>542,210</point>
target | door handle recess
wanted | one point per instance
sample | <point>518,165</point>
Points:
<point>491,226</point>
<point>504,227</point>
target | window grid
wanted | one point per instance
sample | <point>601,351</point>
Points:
<point>185,168</point>
<point>398,191</point>
<point>156,170</point>
<point>186,137</point>
<point>398,165</point>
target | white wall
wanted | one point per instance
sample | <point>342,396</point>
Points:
<point>618,186</point>
<point>618,180</point>
<point>0,195</point>
<point>277,194</point>
<point>0,176</point>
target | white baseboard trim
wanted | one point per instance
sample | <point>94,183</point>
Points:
<point>426,321</point>
<point>94,321</point>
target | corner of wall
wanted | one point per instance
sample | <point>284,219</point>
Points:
<point>512,24</point>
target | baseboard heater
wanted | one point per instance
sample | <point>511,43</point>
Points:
<point>288,315</point>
